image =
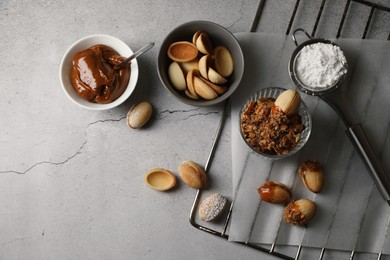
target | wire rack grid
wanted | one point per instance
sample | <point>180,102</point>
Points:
<point>374,7</point>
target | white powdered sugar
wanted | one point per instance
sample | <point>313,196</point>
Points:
<point>320,65</point>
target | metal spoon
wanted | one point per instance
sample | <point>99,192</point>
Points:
<point>134,55</point>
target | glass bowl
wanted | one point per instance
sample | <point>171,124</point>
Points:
<point>303,112</point>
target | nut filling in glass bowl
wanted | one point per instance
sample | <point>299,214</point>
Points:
<point>271,132</point>
<point>275,123</point>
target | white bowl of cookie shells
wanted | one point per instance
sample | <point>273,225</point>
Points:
<point>66,65</point>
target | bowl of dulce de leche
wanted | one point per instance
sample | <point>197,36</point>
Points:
<point>88,75</point>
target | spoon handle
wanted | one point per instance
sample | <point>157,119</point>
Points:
<point>371,159</point>
<point>135,55</point>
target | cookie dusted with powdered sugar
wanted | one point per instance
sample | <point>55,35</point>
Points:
<point>212,207</point>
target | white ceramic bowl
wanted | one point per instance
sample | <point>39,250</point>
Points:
<point>84,43</point>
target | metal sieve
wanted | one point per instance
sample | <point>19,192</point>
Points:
<point>335,97</point>
<point>311,90</point>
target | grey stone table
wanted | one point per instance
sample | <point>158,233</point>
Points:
<point>71,180</point>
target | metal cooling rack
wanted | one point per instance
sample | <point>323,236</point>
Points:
<point>222,233</point>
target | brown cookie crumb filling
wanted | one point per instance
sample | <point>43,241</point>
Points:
<point>269,130</point>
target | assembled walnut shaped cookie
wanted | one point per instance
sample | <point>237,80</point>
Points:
<point>299,212</point>
<point>312,175</point>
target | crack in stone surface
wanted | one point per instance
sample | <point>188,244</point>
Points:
<point>161,115</point>
<point>106,120</point>
<point>48,162</point>
<point>15,240</point>
<point>201,114</point>
<point>166,113</point>
<point>241,14</point>
<point>68,158</point>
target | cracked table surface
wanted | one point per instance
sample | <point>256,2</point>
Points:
<point>71,180</point>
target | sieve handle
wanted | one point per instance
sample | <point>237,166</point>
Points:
<point>366,151</point>
<point>299,30</point>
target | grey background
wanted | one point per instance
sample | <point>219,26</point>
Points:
<point>71,180</point>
